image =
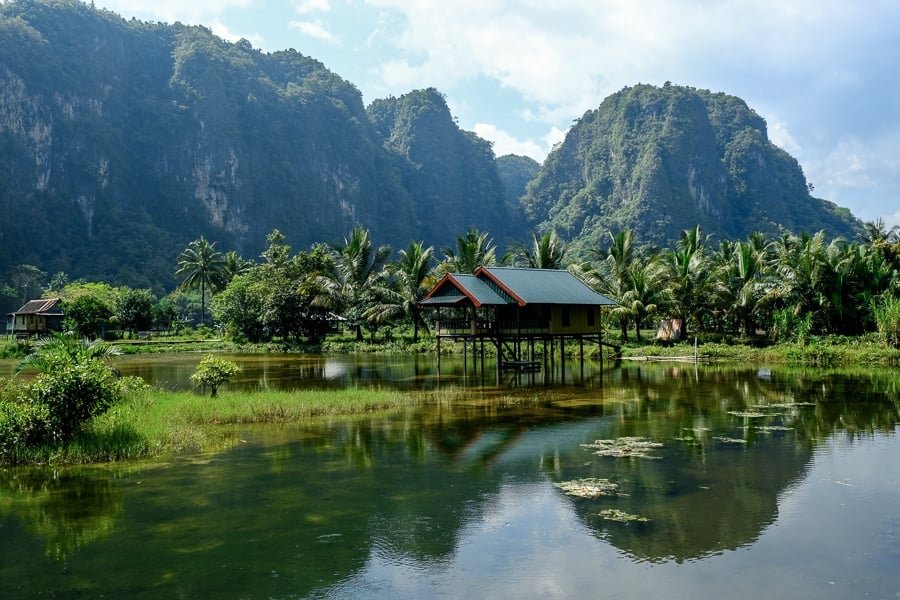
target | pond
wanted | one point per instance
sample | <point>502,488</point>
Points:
<point>638,481</point>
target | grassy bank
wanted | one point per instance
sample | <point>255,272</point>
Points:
<point>825,352</point>
<point>152,423</point>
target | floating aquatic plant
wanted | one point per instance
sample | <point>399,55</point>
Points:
<point>630,447</point>
<point>590,487</point>
<point>771,428</point>
<point>614,514</point>
<point>751,414</point>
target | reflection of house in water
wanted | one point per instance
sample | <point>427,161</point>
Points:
<point>512,308</point>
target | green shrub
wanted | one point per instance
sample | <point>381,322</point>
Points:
<point>23,425</point>
<point>213,372</point>
<point>72,395</point>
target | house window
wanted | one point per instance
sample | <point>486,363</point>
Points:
<point>590,316</point>
<point>566,318</point>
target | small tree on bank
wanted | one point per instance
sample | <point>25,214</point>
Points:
<point>213,372</point>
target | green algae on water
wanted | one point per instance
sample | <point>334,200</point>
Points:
<point>590,487</point>
<point>625,447</point>
<point>620,516</point>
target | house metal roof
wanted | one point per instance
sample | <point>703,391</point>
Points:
<point>456,287</point>
<point>546,286</point>
<point>508,285</point>
<point>44,306</point>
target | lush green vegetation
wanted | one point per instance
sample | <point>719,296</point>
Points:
<point>150,422</point>
<point>660,160</point>
<point>789,289</point>
<point>73,385</point>
<point>226,143</point>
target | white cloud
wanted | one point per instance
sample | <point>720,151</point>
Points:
<point>569,54</point>
<point>504,143</point>
<point>304,7</point>
<point>862,174</point>
<point>892,220</point>
<point>781,137</point>
<point>314,29</point>
<point>221,30</point>
<point>193,12</point>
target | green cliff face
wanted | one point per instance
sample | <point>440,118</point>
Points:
<point>662,160</point>
<point>121,141</point>
<point>450,173</point>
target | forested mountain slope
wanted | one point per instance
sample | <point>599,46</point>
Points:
<point>122,141</point>
<point>664,159</point>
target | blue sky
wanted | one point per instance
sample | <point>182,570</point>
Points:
<point>823,73</point>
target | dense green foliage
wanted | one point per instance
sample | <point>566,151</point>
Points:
<point>73,385</point>
<point>789,288</point>
<point>122,141</point>
<point>660,160</point>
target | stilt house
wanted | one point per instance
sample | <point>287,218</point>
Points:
<point>513,307</point>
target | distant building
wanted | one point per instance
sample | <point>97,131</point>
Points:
<point>36,317</point>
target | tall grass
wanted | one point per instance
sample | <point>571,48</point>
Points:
<point>887,318</point>
<point>153,422</point>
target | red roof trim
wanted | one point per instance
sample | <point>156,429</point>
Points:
<point>450,278</point>
<point>485,271</point>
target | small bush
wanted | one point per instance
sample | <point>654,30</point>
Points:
<point>213,372</point>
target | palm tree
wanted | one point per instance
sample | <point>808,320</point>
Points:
<point>408,284</point>
<point>612,274</point>
<point>473,250</point>
<point>687,273</point>
<point>800,263</point>
<point>202,266</point>
<point>546,252</point>
<point>233,264</point>
<point>63,349</point>
<point>642,296</point>
<point>354,277</point>
<point>741,279</point>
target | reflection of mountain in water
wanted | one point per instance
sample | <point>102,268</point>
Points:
<point>298,510</point>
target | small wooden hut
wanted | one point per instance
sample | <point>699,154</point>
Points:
<point>512,308</point>
<point>36,317</point>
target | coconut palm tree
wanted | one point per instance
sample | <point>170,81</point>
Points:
<point>350,285</point>
<point>687,272</point>
<point>741,280</point>
<point>407,283</point>
<point>202,266</point>
<point>473,250</point>
<point>233,264</point>
<point>546,252</point>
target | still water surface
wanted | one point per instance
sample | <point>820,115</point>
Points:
<point>768,483</point>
